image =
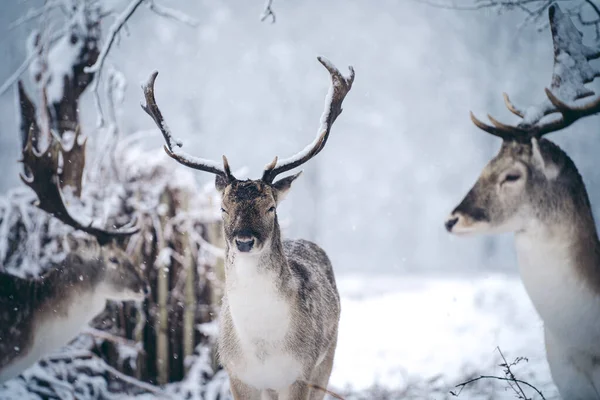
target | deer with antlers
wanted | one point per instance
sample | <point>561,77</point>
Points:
<point>38,316</point>
<point>280,311</point>
<point>532,188</point>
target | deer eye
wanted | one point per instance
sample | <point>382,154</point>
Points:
<point>512,177</point>
<point>272,209</point>
<point>223,210</point>
<point>113,260</point>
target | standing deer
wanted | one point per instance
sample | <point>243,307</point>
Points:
<point>280,312</point>
<point>38,316</point>
<point>532,188</point>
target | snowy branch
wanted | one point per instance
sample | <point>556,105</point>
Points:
<point>113,31</point>
<point>172,14</point>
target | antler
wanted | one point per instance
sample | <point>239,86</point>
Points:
<point>572,71</point>
<point>172,147</point>
<point>44,182</point>
<point>340,86</point>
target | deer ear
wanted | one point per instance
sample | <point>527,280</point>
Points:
<point>548,167</point>
<point>220,183</point>
<point>283,185</point>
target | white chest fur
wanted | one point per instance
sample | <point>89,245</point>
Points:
<point>261,319</point>
<point>55,330</point>
<point>568,307</point>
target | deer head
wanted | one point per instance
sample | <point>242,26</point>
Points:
<point>249,206</point>
<point>531,178</point>
<point>122,278</point>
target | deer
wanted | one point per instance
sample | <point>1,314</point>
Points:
<point>280,309</point>
<point>533,189</point>
<point>40,315</point>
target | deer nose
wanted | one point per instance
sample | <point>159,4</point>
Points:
<point>450,222</point>
<point>244,244</point>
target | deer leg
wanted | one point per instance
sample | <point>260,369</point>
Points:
<point>241,391</point>
<point>571,370</point>
<point>322,372</point>
<point>296,391</point>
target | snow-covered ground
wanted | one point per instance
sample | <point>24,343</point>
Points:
<point>417,337</point>
<point>401,331</point>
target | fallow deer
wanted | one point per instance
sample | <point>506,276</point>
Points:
<point>280,311</point>
<point>38,316</point>
<point>533,189</point>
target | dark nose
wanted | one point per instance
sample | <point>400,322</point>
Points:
<point>146,290</point>
<point>244,245</point>
<point>450,223</point>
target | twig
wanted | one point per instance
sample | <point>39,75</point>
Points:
<point>23,67</point>
<point>33,13</point>
<point>462,385</point>
<point>110,337</point>
<point>509,377</point>
<point>113,32</point>
<point>268,12</point>
<point>173,14</point>
<point>509,373</point>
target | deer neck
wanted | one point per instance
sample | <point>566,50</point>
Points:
<point>563,238</point>
<point>270,261</point>
<point>73,275</point>
<point>257,295</point>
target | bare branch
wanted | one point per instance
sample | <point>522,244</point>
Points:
<point>509,377</point>
<point>268,12</point>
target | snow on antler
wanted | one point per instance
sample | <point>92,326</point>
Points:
<point>572,71</point>
<point>340,86</point>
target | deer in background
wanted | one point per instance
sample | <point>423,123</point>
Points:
<point>280,311</point>
<point>532,188</point>
<point>40,315</point>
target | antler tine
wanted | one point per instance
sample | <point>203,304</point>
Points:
<point>511,107</point>
<point>44,182</point>
<point>172,147</point>
<point>571,73</point>
<point>493,130</point>
<point>340,86</point>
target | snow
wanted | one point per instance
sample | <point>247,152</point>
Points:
<point>62,56</point>
<point>398,330</point>
<point>411,335</point>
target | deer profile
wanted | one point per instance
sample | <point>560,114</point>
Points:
<point>533,189</point>
<point>38,316</point>
<point>280,311</point>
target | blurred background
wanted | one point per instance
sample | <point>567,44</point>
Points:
<point>400,157</point>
